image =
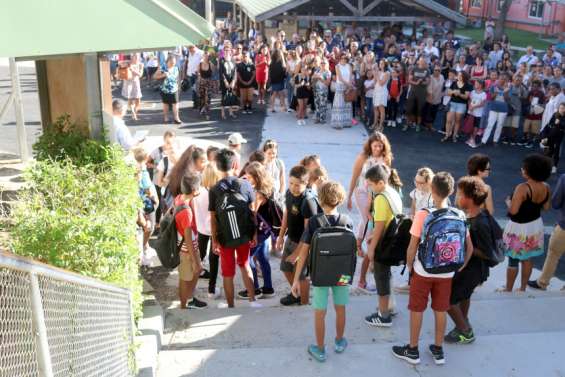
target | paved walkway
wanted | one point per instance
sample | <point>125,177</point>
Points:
<point>247,341</point>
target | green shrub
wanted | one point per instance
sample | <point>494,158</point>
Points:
<point>82,217</point>
<point>64,140</point>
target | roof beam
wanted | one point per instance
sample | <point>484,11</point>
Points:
<point>278,10</point>
<point>370,7</point>
<point>358,18</point>
<point>349,6</point>
<point>442,10</point>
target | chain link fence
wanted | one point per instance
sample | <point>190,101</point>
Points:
<point>56,323</point>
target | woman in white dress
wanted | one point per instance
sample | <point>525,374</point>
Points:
<point>380,94</point>
<point>341,110</point>
<point>131,89</point>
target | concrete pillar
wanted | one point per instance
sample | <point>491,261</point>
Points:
<point>208,11</point>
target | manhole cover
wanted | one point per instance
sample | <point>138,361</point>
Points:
<point>8,172</point>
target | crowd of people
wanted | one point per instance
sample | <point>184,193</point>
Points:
<point>479,92</point>
<point>233,214</point>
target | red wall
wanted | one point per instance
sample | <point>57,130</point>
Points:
<point>518,15</point>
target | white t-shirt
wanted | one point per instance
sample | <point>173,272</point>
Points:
<point>161,167</point>
<point>201,212</point>
<point>119,134</point>
<point>422,199</point>
<point>477,98</point>
<point>369,86</point>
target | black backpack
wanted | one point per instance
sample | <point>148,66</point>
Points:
<point>235,218</point>
<point>167,245</point>
<point>391,249</point>
<point>332,253</point>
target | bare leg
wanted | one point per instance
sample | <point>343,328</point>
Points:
<point>186,290</point>
<point>465,305</point>
<point>511,274</point>
<point>441,322</point>
<point>320,327</point>
<point>304,292</point>
<point>339,321</point>
<point>176,112</point>
<point>415,327</point>
<point>165,112</point>
<point>289,277</point>
<point>273,96</point>
<point>248,281</point>
<point>457,124</point>
<point>527,266</point>
<point>229,290</point>
<point>458,317</point>
<point>282,100</point>
<point>364,269</point>
<point>383,306</point>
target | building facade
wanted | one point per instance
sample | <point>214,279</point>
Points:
<point>545,17</point>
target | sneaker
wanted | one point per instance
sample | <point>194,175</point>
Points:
<point>340,345</point>
<point>243,294</point>
<point>418,128</point>
<point>298,122</point>
<point>215,294</point>
<point>505,141</point>
<point>512,142</point>
<point>289,110</point>
<point>554,170</point>
<point>535,285</point>
<point>205,274</point>
<point>407,353</point>
<point>377,320</point>
<point>460,337</point>
<point>255,304</point>
<point>437,354</point>
<point>223,305</point>
<point>196,304</point>
<point>290,300</point>
<point>529,145</point>
<point>267,293</point>
<point>393,124</point>
<point>405,127</point>
<point>317,353</point>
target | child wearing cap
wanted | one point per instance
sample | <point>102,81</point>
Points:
<point>234,142</point>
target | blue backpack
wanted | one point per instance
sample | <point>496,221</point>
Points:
<point>442,244</point>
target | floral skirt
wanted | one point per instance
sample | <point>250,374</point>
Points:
<point>524,241</point>
<point>341,110</point>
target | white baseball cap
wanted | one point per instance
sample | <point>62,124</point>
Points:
<point>236,139</point>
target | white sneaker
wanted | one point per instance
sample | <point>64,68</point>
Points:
<point>255,304</point>
<point>554,170</point>
<point>299,122</point>
<point>216,295</point>
<point>223,305</point>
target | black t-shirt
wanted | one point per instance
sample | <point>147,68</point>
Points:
<point>314,224</point>
<point>277,72</point>
<point>245,72</point>
<point>222,186</point>
<point>481,236</point>
<point>420,74</point>
<point>467,88</point>
<point>298,209</point>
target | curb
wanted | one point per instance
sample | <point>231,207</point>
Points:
<point>150,328</point>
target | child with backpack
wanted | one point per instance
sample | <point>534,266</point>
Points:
<point>386,205</point>
<point>439,245</point>
<point>484,231</point>
<point>332,194</point>
<point>300,205</point>
<point>233,225</point>
<point>190,262</point>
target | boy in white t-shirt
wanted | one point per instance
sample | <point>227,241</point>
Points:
<point>478,99</point>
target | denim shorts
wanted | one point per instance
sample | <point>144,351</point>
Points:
<point>340,296</point>
<point>459,108</point>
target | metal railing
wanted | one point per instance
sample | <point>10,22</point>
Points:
<point>57,323</point>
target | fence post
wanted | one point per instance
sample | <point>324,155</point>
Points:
<point>43,355</point>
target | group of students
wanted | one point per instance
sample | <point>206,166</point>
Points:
<point>235,214</point>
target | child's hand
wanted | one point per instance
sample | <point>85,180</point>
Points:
<point>279,243</point>
<point>295,290</point>
<point>292,258</point>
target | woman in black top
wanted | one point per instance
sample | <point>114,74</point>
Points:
<point>277,75</point>
<point>302,83</point>
<point>205,85</point>
<point>246,81</point>
<point>459,91</point>
<point>553,135</point>
<point>228,78</point>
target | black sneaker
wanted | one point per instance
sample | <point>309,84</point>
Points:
<point>243,294</point>
<point>459,337</point>
<point>377,320</point>
<point>407,353</point>
<point>535,285</point>
<point>196,304</point>
<point>267,293</point>
<point>437,354</point>
<point>290,300</point>
<point>205,274</point>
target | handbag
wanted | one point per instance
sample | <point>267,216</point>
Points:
<point>230,99</point>
<point>124,73</point>
<point>468,124</point>
<point>184,85</point>
<point>350,95</point>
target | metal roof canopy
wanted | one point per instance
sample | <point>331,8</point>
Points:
<point>260,10</point>
<point>35,29</point>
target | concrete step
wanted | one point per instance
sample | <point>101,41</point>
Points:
<point>516,355</point>
<point>245,327</point>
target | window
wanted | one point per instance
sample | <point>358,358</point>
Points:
<point>476,3</point>
<point>536,9</point>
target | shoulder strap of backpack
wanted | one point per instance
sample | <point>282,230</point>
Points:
<point>323,221</point>
<point>395,211</point>
<point>166,165</point>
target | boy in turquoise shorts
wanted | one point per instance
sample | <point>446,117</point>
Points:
<point>330,195</point>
